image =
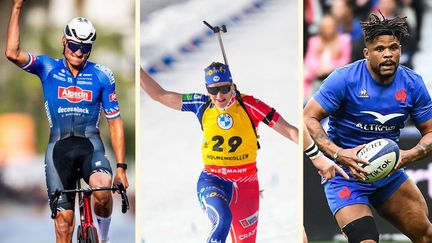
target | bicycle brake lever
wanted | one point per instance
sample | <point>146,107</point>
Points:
<point>125,202</point>
<point>120,187</point>
<point>53,203</point>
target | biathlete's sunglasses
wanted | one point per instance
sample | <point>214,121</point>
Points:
<point>74,47</point>
<point>215,90</point>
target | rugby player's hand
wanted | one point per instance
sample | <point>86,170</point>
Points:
<point>400,163</point>
<point>327,168</point>
<point>121,177</point>
<point>349,158</point>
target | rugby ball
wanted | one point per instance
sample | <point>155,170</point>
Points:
<point>382,154</point>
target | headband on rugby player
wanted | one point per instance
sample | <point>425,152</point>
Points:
<point>217,75</point>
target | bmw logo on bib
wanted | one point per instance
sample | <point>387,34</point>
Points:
<point>225,121</point>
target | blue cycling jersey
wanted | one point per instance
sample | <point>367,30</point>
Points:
<point>73,104</point>
<point>362,110</point>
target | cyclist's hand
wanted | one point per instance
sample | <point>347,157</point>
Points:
<point>121,177</point>
<point>349,158</point>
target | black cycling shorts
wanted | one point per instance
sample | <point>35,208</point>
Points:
<point>70,159</point>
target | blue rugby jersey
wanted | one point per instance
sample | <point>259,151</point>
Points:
<point>73,104</point>
<point>361,109</point>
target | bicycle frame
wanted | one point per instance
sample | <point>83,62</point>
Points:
<point>86,217</point>
<point>85,210</point>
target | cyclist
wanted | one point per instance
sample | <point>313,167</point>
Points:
<point>228,187</point>
<point>75,91</point>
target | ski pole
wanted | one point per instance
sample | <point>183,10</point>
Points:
<point>217,30</point>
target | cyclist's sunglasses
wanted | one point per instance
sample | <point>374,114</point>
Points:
<point>74,47</point>
<point>215,90</point>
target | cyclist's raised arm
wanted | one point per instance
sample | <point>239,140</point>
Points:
<point>13,51</point>
<point>156,92</point>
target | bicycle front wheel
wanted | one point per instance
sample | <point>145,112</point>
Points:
<point>92,235</point>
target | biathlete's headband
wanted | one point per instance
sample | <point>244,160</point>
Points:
<point>217,74</point>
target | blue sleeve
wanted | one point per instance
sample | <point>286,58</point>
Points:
<point>422,104</point>
<point>39,65</point>
<point>194,102</point>
<point>331,92</point>
<point>109,99</point>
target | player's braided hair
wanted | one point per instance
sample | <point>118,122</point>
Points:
<point>375,27</point>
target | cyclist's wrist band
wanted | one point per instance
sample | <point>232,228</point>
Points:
<point>122,165</point>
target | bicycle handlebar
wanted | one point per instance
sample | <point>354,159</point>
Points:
<point>119,187</point>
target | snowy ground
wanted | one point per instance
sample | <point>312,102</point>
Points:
<point>263,53</point>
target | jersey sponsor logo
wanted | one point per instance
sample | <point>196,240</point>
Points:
<point>225,121</point>
<point>226,171</point>
<point>48,114</point>
<point>401,96</point>
<point>107,72</point>
<point>249,221</point>
<point>375,127</point>
<point>76,109</point>
<point>191,97</point>
<point>363,93</point>
<point>58,77</point>
<point>113,97</point>
<point>345,193</point>
<point>84,82</point>
<point>382,118</point>
<point>220,70</point>
<point>112,112</point>
<point>188,97</point>
<point>216,194</point>
<point>248,235</point>
<point>74,94</point>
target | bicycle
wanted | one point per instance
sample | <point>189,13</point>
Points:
<point>87,232</point>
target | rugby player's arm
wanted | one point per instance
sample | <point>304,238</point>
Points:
<point>13,51</point>
<point>285,129</point>
<point>313,113</point>
<point>116,130</point>
<point>156,92</point>
<point>423,147</point>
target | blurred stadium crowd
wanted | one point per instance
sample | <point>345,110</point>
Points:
<point>333,36</point>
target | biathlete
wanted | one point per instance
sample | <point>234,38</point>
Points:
<point>228,187</point>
